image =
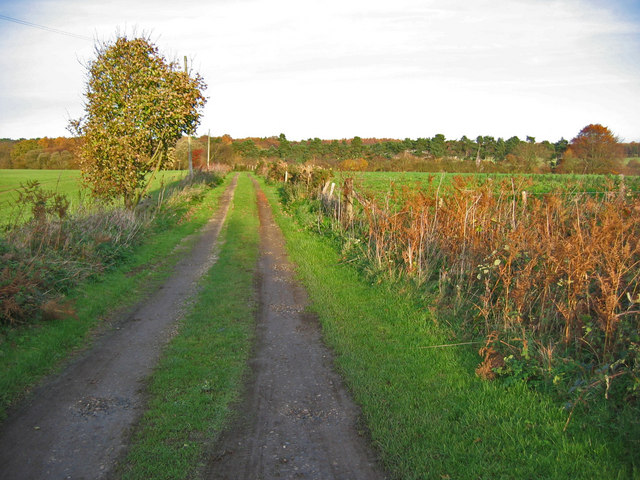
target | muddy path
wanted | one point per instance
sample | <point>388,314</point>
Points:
<point>297,419</point>
<point>76,425</point>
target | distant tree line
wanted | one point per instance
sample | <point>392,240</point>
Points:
<point>594,150</point>
<point>39,153</point>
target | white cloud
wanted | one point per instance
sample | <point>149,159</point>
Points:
<point>403,68</point>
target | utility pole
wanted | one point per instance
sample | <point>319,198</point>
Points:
<point>190,159</point>
<point>208,147</point>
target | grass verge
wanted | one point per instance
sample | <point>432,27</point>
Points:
<point>428,415</point>
<point>29,352</point>
<point>201,371</point>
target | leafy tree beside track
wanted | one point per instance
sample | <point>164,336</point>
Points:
<point>137,107</point>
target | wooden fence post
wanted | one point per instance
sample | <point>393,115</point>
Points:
<point>347,192</point>
<point>325,188</point>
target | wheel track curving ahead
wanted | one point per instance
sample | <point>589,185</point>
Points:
<point>76,424</point>
<point>297,419</point>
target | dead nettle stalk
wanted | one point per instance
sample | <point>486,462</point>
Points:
<point>555,269</point>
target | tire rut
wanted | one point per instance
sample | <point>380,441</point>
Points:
<point>297,419</point>
<point>77,424</point>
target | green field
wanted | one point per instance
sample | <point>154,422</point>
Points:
<point>63,181</point>
<point>380,183</point>
<point>66,182</point>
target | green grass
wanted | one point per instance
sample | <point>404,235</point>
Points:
<point>201,371</point>
<point>380,183</point>
<point>66,182</point>
<point>428,414</point>
<point>28,353</point>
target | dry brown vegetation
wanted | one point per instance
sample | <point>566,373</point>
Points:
<point>551,280</point>
<point>546,272</point>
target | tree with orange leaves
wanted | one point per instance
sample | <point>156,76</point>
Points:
<point>596,149</point>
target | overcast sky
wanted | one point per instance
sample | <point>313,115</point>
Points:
<point>340,68</point>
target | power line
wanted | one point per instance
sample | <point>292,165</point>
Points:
<point>47,29</point>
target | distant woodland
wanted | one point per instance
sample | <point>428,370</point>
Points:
<point>39,153</point>
<point>485,153</point>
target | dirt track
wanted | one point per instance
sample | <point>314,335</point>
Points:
<point>76,424</point>
<point>297,420</point>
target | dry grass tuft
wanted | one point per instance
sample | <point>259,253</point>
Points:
<point>57,309</point>
<point>492,361</point>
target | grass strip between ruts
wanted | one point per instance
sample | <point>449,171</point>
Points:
<point>428,415</point>
<point>202,368</point>
<point>29,352</point>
